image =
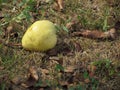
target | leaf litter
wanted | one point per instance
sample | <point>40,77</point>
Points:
<point>68,64</point>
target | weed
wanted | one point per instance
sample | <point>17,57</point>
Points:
<point>25,12</point>
<point>2,86</point>
<point>65,29</point>
<point>59,67</point>
<point>77,87</point>
<point>85,75</point>
<point>105,66</point>
<point>93,83</point>
<point>105,18</point>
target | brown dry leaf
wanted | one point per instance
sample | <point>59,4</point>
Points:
<point>91,74</point>
<point>29,83</point>
<point>73,22</point>
<point>12,30</point>
<point>8,31</point>
<point>95,34</point>
<point>77,46</point>
<point>109,34</point>
<point>1,15</point>
<point>58,59</point>
<point>1,67</point>
<point>41,89</point>
<point>25,85</point>
<point>110,2</point>
<point>14,35</point>
<point>52,52</point>
<point>87,80</point>
<point>32,78</point>
<point>33,73</point>
<point>88,33</point>
<point>64,83</point>
<point>64,50</point>
<point>59,5</point>
<point>91,69</point>
<point>45,71</point>
<point>69,69</point>
<point>54,58</point>
<point>69,25</point>
<point>17,80</point>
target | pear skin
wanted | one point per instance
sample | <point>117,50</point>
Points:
<point>40,36</point>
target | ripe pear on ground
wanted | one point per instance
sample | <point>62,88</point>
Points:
<point>40,36</point>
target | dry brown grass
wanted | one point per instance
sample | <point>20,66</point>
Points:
<point>91,14</point>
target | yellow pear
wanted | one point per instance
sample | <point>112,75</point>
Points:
<point>40,36</point>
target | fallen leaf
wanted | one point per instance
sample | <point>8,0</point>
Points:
<point>7,43</point>
<point>8,31</point>
<point>52,52</point>
<point>14,35</point>
<point>110,34</point>
<point>17,80</point>
<point>63,83</point>
<point>91,69</point>
<point>59,5</point>
<point>54,58</point>
<point>1,15</point>
<point>58,59</point>
<point>41,89</point>
<point>1,68</point>
<point>45,71</point>
<point>65,48</point>
<point>88,33</point>
<point>29,83</point>
<point>12,30</point>
<point>91,74</point>
<point>87,80</point>
<point>95,34</point>
<point>24,85</point>
<point>110,2</point>
<point>73,24</point>
<point>43,2</point>
<point>77,46</point>
<point>69,69</point>
<point>33,73</point>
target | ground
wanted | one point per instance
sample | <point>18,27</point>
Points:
<point>75,63</point>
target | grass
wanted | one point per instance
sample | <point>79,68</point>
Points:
<point>104,55</point>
